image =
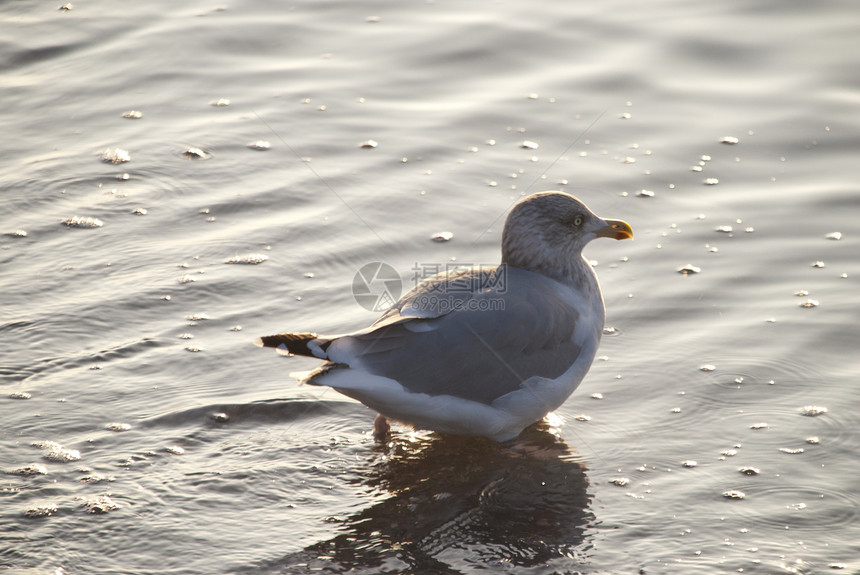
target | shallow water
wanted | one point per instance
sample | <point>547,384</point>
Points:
<point>142,432</point>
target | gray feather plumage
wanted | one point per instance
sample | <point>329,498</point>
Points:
<point>444,339</point>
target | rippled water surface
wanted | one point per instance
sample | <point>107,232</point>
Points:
<point>179,178</point>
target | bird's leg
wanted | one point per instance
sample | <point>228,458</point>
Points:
<point>380,427</point>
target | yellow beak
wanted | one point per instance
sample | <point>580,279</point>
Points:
<point>616,229</point>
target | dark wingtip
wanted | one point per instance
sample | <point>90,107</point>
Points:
<point>292,343</point>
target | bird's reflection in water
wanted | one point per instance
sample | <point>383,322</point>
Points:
<point>458,504</point>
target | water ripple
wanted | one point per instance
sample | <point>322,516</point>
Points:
<point>810,509</point>
<point>453,503</point>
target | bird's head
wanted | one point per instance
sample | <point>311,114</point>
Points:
<point>548,230</point>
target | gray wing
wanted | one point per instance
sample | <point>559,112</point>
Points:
<point>443,293</point>
<point>475,335</point>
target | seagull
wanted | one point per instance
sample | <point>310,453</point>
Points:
<point>485,351</point>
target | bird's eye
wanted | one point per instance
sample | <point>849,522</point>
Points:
<point>577,221</point>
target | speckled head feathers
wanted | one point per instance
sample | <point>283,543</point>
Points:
<point>545,232</point>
